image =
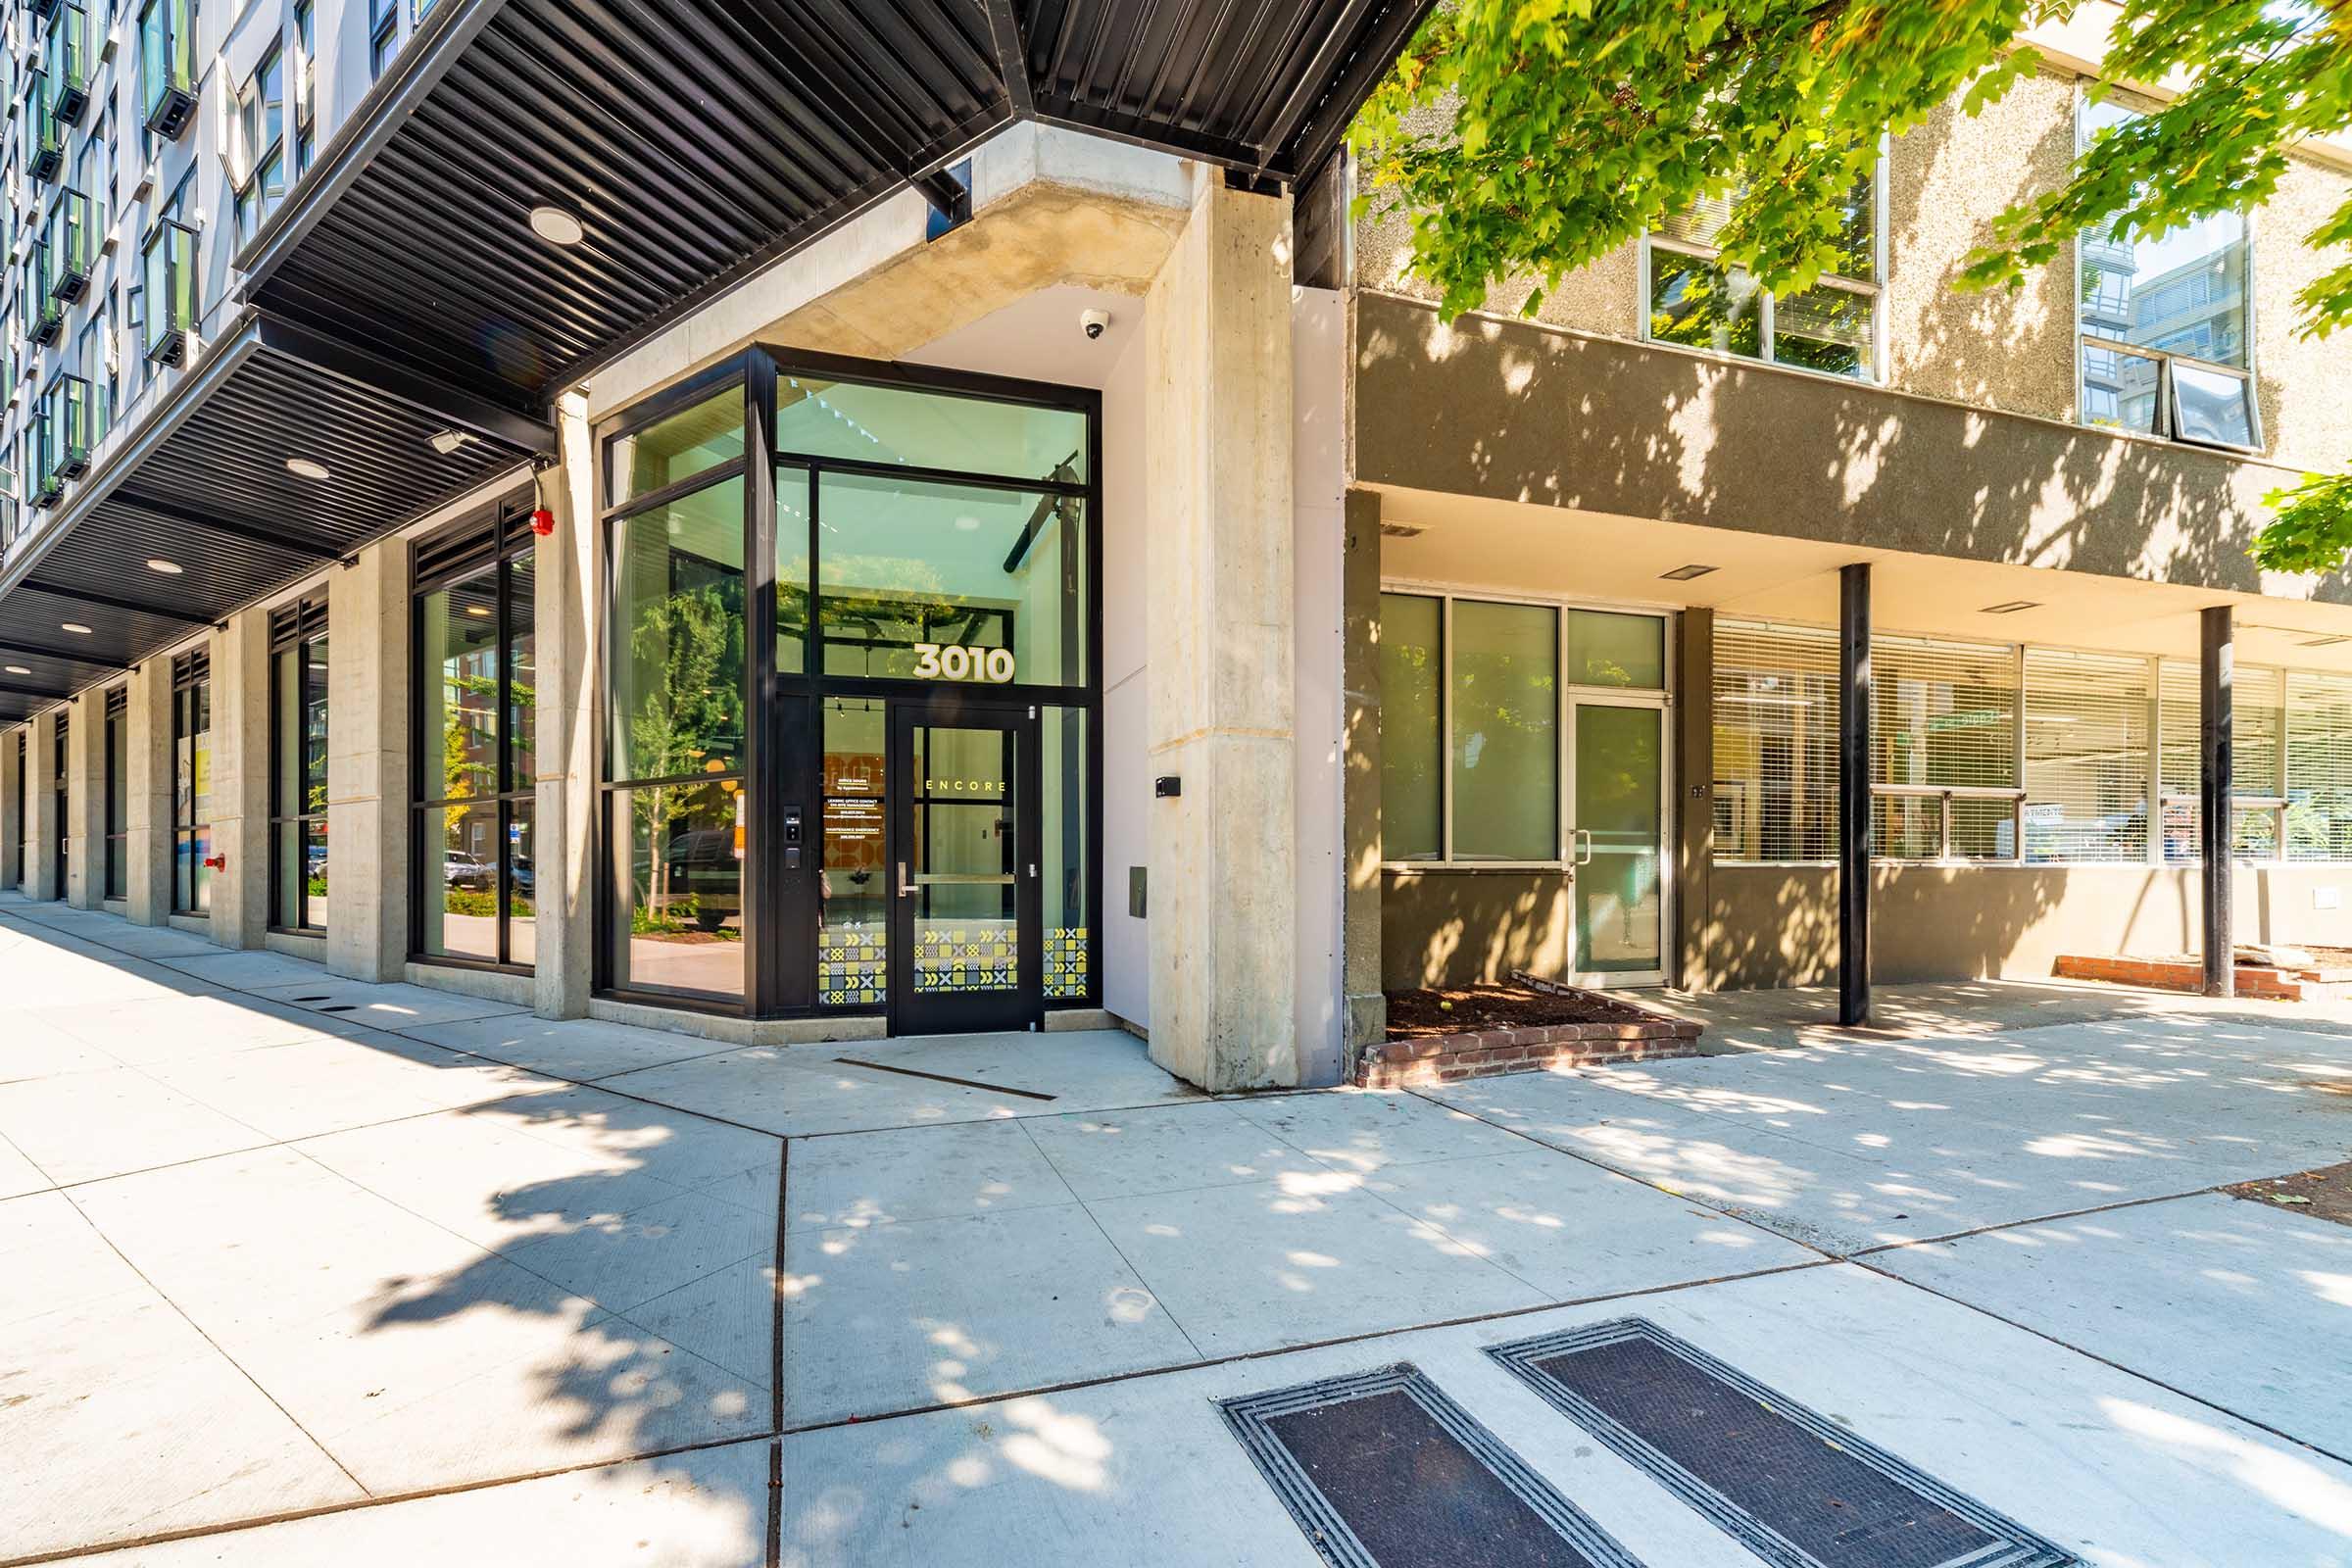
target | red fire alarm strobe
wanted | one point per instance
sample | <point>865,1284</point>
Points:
<point>543,523</point>
<point>216,862</point>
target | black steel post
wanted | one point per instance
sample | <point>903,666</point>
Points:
<point>1853,796</point>
<point>2217,819</point>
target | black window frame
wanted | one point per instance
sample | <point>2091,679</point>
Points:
<point>191,682</point>
<point>293,628</point>
<point>61,788</point>
<point>784,754</point>
<point>496,535</point>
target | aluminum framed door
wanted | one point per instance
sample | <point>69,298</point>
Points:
<point>1617,840</point>
<point>966,905</point>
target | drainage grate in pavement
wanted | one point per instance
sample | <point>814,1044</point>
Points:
<point>1381,1470</point>
<point>1796,1489</point>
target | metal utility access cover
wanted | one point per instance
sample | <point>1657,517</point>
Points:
<point>1795,1489</point>
<point>1381,1470</point>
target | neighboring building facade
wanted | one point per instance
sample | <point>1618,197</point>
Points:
<point>984,546</point>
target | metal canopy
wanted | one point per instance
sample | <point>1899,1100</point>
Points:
<point>696,142</point>
<point>203,483</point>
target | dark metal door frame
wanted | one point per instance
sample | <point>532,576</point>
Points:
<point>913,1012</point>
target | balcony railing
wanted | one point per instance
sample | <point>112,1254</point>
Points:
<point>168,269</point>
<point>67,242</point>
<point>167,66</point>
<point>46,137</point>
<point>65,59</point>
<point>64,432</point>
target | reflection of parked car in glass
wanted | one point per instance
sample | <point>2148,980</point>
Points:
<point>462,870</point>
<point>701,865</point>
<point>520,872</point>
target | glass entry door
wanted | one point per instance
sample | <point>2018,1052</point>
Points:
<point>1617,841</point>
<point>964,890</point>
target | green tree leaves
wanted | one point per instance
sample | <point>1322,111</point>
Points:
<point>1532,137</point>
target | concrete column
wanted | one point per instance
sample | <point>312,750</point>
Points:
<point>2217,813</point>
<point>1694,818</point>
<point>1853,796</point>
<point>1224,895</point>
<point>43,875</point>
<point>1367,1005</point>
<point>85,809</point>
<point>12,802</point>
<point>147,814</point>
<point>567,619</point>
<point>241,780</point>
<point>368,793</point>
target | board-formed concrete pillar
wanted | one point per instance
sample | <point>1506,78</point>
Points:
<point>85,801</point>
<point>241,780</point>
<point>147,814</point>
<point>1224,895</point>
<point>11,803</point>
<point>368,765</point>
<point>567,618</point>
<point>43,874</point>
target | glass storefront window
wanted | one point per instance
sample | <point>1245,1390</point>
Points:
<point>1506,731</point>
<point>298,784</point>
<point>117,800</point>
<point>675,450</point>
<point>924,581</point>
<point>476,768</point>
<point>1607,649</point>
<point>193,791</point>
<point>681,908</point>
<point>911,427</point>
<point>1411,743</point>
<point>678,638</point>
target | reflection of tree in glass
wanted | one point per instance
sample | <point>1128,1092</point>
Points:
<point>687,643</point>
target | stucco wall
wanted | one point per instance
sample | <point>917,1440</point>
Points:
<point>1772,925</point>
<point>1948,179</point>
<point>1519,411</point>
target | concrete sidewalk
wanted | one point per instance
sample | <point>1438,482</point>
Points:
<point>430,1276</point>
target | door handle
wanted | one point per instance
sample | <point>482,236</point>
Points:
<point>905,887</point>
<point>1584,836</point>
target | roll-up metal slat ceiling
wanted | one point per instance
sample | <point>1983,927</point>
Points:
<point>697,142</point>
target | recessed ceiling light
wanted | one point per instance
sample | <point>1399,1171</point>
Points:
<point>307,468</point>
<point>1684,573</point>
<point>556,226</point>
<point>170,568</point>
<point>967,523</point>
<point>2011,608</point>
<point>75,627</point>
<point>17,670</point>
<point>478,609</point>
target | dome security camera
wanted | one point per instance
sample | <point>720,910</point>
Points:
<point>1093,323</point>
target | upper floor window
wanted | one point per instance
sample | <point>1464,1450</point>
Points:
<point>2165,346</point>
<point>306,88</point>
<point>262,131</point>
<point>383,33</point>
<point>1691,297</point>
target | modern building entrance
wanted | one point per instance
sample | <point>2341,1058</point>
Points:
<point>853,718</point>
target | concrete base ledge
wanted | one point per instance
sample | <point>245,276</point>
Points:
<point>738,1031</point>
<point>295,945</point>
<point>1067,1019</point>
<point>120,906</point>
<point>197,925</point>
<point>490,985</point>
